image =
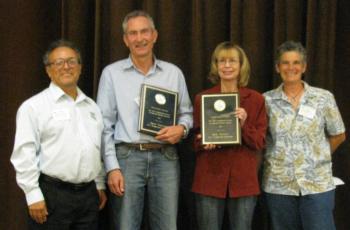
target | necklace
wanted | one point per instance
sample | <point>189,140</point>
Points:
<point>295,97</point>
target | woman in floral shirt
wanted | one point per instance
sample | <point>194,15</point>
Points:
<point>305,128</point>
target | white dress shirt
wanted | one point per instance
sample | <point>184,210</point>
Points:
<point>59,137</point>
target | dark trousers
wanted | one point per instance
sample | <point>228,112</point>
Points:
<point>69,207</point>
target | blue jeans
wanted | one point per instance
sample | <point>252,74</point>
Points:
<point>309,212</point>
<point>210,212</point>
<point>156,171</point>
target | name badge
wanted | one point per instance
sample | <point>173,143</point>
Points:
<point>60,115</point>
<point>307,111</point>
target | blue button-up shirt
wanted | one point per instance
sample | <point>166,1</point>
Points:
<point>119,98</point>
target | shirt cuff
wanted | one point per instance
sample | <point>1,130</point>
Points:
<point>100,185</point>
<point>186,130</point>
<point>34,196</point>
<point>111,163</point>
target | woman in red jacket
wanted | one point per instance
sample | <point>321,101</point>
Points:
<point>226,176</point>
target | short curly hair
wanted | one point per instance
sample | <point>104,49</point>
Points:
<point>290,46</point>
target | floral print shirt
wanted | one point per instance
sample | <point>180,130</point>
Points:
<point>298,156</point>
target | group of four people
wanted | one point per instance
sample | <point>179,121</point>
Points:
<point>61,134</point>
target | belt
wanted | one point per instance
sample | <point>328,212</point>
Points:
<point>143,146</point>
<point>64,184</point>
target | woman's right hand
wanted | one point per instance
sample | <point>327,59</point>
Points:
<point>208,146</point>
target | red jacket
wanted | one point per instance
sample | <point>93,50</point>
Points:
<point>231,169</point>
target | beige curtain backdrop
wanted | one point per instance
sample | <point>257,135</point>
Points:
<point>189,30</point>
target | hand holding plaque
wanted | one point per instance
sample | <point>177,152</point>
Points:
<point>219,124</point>
<point>158,108</point>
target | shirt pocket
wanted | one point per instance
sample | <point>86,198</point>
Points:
<point>56,123</point>
<point>94,127</point>
<point>122,152</point>
<point>170,153</point>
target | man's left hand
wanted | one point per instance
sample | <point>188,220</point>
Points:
<point>103,198</point>
<point>171,134</point>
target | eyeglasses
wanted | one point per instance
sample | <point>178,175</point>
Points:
<point>59,63</point>
<point>230,61</point>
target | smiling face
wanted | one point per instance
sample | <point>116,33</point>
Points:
<point>229,65</point>
<point>64,67</point>
<point>140,37</point>
<point>291,67</point>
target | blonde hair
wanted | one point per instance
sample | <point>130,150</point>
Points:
<point>243,60</point>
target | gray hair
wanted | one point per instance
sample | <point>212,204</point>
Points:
<point>290,46</point>
<point>134,14</point>
<point>60,43</point>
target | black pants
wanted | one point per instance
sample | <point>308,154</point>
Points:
<point>69,208</point>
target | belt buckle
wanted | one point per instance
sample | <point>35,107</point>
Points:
<point>142,148</point>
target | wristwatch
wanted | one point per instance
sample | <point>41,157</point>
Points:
<point>184,135</point>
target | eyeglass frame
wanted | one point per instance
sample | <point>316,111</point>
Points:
<point>64,61</point>
<point>224,61</point>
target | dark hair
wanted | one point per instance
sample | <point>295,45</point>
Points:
<point>60,43</point>
<point>290,46</point>
<point>134,14</point>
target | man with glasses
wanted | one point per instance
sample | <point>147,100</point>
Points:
<point>139,164</point>
<point>57,148</point>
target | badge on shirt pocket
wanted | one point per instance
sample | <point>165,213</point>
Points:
<point>307,111</point>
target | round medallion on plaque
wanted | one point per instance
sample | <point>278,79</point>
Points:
<point>160,99</point>
<point>219,105</point>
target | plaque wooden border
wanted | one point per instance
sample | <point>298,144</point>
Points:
<point>142,127</point>
<point>237,129</point>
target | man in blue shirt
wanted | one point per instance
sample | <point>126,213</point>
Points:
<point>137,162</point>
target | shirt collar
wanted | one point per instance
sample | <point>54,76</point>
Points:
<point>279,93</point>
<point>58,93</point>
<point>243,91</point>
<point>128,64</point>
